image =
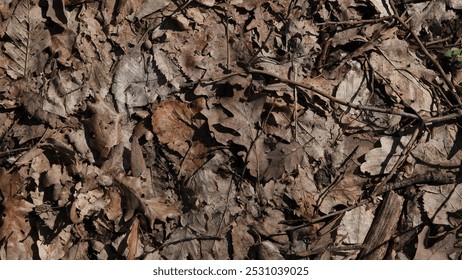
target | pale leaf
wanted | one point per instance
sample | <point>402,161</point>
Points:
<point>380,161</point>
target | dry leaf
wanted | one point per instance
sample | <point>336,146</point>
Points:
<point>354,225</point>
<point>285,158</point>
<point>441,250</point>
<point>380,161</point>
<point>137,163</point>
<point>30,38</point>
<point>441,200</point>
<point>15,226</point>
<point>175,125</point>
<point>102,129</point>
<point>236,121</point>
<point>405,72</point>
<point>133,240</point>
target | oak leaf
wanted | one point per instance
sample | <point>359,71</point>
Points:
<point>285,158</point>
<point>175,125</point>
<point>380,161</point>
<point>234,121</point>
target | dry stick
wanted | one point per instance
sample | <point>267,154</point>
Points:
<point>383,228</point>
<point>428,55</point>
<point>13,151</point>
<point>429,178</point>
<point>295,113</point>
<point>227,40</point>
<point>430,43</point>
<point>355,22</point>
<point>334,99</point>
<point>186,239</point>
<point>426,121</point>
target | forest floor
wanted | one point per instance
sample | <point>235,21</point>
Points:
<point>207,129</point>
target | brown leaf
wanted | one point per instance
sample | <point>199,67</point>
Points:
<point>405,85</point>
<point>132,82</point>
<point>235,121</point>
<point>133,239</point>
<point>175,125</point>
<point>267,251</point>
<point>441,200</point>
<point>285,158</point>
<point>346,192</point>
<point>354,225</point>
<point>241,239</point>
<point>58,247</point>
<point>15,226</point>
<point>272,225</point>
<point>441,250</point>
<point>303,191</point>
<point>257,161</point>
<point>30,37</point>
<point>102,129</point>
<point>156,209</point>
<point>137,163</point>
<point>137,198</point>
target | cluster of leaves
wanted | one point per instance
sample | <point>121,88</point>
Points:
<point>225,129</point>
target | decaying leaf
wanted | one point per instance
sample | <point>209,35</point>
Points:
<point>133,81</point>
<point>441,250</point>
<point>29,38</point>
<point>354,226</point>
<point>285,158</point>
<point>15,227</point>
<point>439,201</point>
<point>175,125</point>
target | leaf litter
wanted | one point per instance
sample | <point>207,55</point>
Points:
<point>230,129</point>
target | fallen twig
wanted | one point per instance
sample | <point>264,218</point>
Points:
<point>430,178</point>
<point>355,22</point>
<point>392,111</point>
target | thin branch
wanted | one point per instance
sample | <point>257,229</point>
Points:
<point>393,111</point>
<point>436,178</point>
<point>356,22</point>
<point>14,151</point>
<point>334,99</point>
<point>186,239</point>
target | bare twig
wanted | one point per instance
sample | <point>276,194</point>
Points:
<point>186,239</point>
<point>356,22</point>
<point>14,151</point>
<point>392,111</point>
<point>430,178</point>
